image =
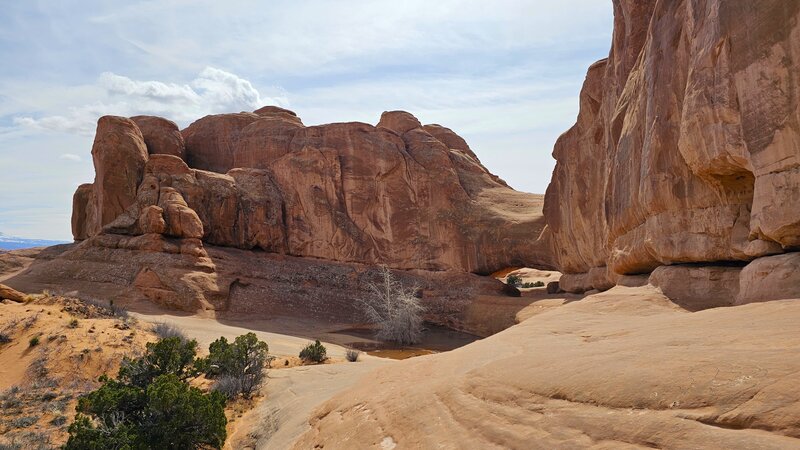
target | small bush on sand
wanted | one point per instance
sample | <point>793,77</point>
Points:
<point>73,323</point>
<point>395,309</point>
<point>243,360</point>
<point>315,352</point>
<point>24,422</point>
<point>352,354</point>
<point>167,330</point>
<point>532,285</point>
<point>34,341</point>
<point>228,385</point>
<point>4,338</point>
<point>172,356</point>
<point>514,280</point>
<point>151,405</point>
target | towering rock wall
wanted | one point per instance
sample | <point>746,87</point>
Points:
<point>687,145</point>
<point>399,193</point>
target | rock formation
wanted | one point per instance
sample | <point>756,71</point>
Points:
<point>623,369</point>
<point>401,194</point>
<point>255,213</point>
<point>7,293</point>
<point>686,148</point>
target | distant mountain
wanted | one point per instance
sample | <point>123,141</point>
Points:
<point>13,243</point>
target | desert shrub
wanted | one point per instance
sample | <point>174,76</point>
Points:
<point>167,414</point>
<point>59,420</point>
<point>315,352</point>
<point>395,309</point>
<point>532,285</point>
<point>166,330</point>
<point>352,354</point>
<point>4,338</point>
<point>24,422</point>
<point>29,440</point>
<point>514,280</point>
<point>151,405</point>
<point>228,385</point>
<point>117,311</point>
<point>172,355</point>
<point>243,360</point>
<point>28,322</point>
<point>73,323</point>
<point>9,398</point>
<point>34,341</point>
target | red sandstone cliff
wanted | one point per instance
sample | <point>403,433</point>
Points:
<point>399,193</point>
<point>686,148</point>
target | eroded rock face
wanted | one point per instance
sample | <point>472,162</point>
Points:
<point>401,194</point>
<point>770,278</point>
<point>161,136</point>
<point>7,293</point>
<point>687,145</point>
<point>119,154</point>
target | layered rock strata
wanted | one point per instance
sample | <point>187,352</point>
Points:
<point>687,145</point>
<point>401,194</point>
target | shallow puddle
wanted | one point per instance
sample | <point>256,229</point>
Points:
<point>435,339</point>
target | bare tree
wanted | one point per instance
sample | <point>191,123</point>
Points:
<point>395,309</point>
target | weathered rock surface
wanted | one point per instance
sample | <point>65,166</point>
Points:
<point>618,370</point>
<point>687,144</point>
<point>119,154</point>
<point>401,194</point>
<point>7,293</point>
<point>698,287</point>
<point>161,136</point>
<point>186,275</point>
<point>770,278</point>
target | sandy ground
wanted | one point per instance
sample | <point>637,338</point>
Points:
<point>289,394</point>
<point>40,384</point>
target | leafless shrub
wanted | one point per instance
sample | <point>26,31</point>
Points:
<point>10,398</point>
<point>167,330</point>
<point>59,420</point>
<point>29,321</point>
<point>395,309</point>
<point>352,354</point>
<point>38,367</point>
<point>34,440</point>
<point>24,422</point>
<point>228,385</point>
<point>10,445</point>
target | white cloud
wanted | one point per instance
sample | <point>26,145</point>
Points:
<point>213,91</point>
<point>70,157</point>
<point>504,74</point>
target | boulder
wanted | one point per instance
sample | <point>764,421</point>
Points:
<point>398,121</point>
<point>7,293</point>
<point>770,278</point>
<point>695,288</point>
<point>161,136</point>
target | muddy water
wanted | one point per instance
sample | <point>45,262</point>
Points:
<point>435,339</point>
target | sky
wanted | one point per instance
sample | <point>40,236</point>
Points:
<point>504,74</point>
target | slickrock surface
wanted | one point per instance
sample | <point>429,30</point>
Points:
<point>687,145</point>
<point>401,194</point>
<point>622,369</point>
